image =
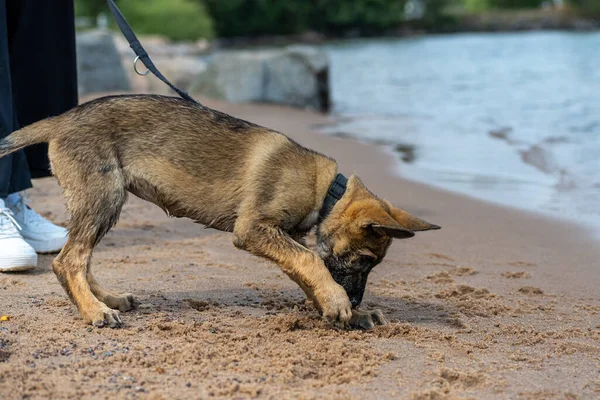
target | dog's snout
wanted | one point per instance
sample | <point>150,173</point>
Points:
<point>345,274</point>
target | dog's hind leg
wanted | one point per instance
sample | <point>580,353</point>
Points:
<point>94,200</point>
<point>70,268</point>
<point>122,302</point>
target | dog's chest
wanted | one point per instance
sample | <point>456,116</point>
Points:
<point>309,221</point>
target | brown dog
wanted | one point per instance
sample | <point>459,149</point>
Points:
<point>221,171</point>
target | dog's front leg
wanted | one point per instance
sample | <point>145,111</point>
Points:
<point>302,265</point>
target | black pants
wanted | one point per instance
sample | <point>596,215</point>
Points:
<point>38,79</point>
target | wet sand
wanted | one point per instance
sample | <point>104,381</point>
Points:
<point>498,304</point>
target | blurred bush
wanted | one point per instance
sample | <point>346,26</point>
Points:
<point>175,19</point>
<point>89,8</point>
<point>264,17</point>
<point>519,4</point>
<point>476,5</point>
<point>367,16</point>
<point>258,17</point>
<point>587,7</point>
<point>192,19</point>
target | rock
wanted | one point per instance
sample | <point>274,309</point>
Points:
<point>159,46</point>
<point>178,62</point>
<point>236,77</point>
<point>99,64</point>
<point>296,76</point>
<point>181,71</point>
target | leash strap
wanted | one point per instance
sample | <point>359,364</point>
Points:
<point>139,50</point>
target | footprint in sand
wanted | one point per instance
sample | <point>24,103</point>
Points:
<point>463,271</point>
<point>522,264</point>
<point>516,275</point>
<point>531,290</point>
<point>440,277</point>
<point>439,256</point>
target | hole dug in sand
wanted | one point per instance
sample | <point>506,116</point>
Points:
<point>243,354</point>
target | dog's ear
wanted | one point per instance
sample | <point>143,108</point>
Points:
<point>382,224</point>
<point>411,222</point>
<point>395,231</point>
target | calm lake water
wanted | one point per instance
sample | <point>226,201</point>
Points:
<point>509,118</point>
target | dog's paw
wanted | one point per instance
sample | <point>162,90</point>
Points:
<point>103,317</point>
<point>335,305</point>
<point>123,303</point>
<point>367,319</point>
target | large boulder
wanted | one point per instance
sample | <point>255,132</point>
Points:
<point>297,76</point>
<point>99,65</point>
<point>178,62</point>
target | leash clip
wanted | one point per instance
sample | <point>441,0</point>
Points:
<point>136,70</point>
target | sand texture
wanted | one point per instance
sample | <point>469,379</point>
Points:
<point>498,304</point>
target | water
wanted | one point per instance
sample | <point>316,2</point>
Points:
<point>509,118</point>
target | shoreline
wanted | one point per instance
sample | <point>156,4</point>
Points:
<point>515,149</point>
<point>493,21</point>
<point>398,152</point>
<point>497,303</point>
<point>315,39</point>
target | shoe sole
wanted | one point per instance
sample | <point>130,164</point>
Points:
<point>20,268</point>
<point>46,246</point>
<point>18,264</point>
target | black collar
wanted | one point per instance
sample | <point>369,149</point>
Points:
<point>335,192</point>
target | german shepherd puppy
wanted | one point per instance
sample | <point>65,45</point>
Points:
<point>225,173</point>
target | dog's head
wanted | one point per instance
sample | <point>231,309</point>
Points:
<point>356,234</point>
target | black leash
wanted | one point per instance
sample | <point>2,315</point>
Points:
<point>139,50</point>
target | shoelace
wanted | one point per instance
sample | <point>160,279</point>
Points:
<point>30,215</point>
<point>9,214</point>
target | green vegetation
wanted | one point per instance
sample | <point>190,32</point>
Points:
<point>89,8</point>
<point>333,17</point>
<point>264,17</point>
<point>367,16</point>
<point>192,19</point>
<point>258,17</point>
<point>175,19</point>
<point>588,7</point>
<point>476,5</point>
<point>514,4</point>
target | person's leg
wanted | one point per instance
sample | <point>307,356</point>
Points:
<point>43,66</point>
<point>43,69</point>
<point>14,170</point>
<point>15,253</point>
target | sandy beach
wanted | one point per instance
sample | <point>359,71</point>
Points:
<point>498,304</point>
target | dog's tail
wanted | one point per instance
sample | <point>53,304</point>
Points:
<point>38,132</point>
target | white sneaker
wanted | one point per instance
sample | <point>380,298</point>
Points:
<point>15,253</point>
<point>41,234</point>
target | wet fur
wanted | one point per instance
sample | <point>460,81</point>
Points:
<point>219,171</point>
